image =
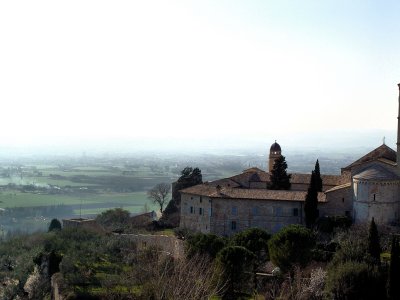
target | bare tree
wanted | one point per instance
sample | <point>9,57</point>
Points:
<point>158,194</point>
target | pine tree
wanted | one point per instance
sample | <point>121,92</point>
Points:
<point>318,177</point>
<point>279,179</point>
<point>394,271</point>
<point>311,202</point>
<point>374,247</point>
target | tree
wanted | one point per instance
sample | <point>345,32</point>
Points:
<point>55,224</point>
<point>236,264</point>
<point>394,271</point>
<point>200,243</point>
<point>290,246</point>
<point>318,179</point>
<point>254,240</point>
<point>279,179</point>
<point>114,219</point>
<point>189,177</point>
<point>158,194</point>
<point>374,247</point>
<point>354,280</point>
<point>311,202</point>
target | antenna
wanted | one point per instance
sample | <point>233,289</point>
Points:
<point>384,140</point>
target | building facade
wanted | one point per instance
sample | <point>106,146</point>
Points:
<point>368,188</point>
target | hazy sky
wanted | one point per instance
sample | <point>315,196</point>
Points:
<point>128,69</point>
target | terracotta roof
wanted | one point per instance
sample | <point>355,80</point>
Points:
<point>339,187</point>
<point>254,194</point>
<point>326,179</point>
<point>382,152</point>
<point>377,172</point>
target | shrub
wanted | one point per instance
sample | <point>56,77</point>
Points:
<point>354,280</point>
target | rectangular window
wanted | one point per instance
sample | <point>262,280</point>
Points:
<point>233,225</point>
<point>234,211</point>
<point>201,199</point>
<point>200,211</point>
<point>191,209</point>
<point>277,211</point>
<point>210,211</point>
<point>255,211</point>
<point>295,212</point>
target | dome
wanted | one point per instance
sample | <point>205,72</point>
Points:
<point>275,147</point>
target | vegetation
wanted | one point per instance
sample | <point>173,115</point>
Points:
<point>291,246</point>
<point>236,264</point>
<point>158,194</point>
<point>55,224</point>
<point>374,247</point>
<point>204,244</point>
<point>279,179</point>
<point>114,219</point>
<point>394,271</point>
<point>255,240</point>
<point>189,177</point>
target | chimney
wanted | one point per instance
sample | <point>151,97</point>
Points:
<point>398,134</point>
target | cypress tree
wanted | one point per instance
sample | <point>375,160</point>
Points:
<point>394,271</point>
<point>318,177</point>
<point>311,202</point>
<point>374,247</point>
<point>279,179</point>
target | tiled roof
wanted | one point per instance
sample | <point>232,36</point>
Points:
<point>326,179</point>
<point>382,152</point>
<point>339,187</point>
<point>254,194</point>
<point>376,172</point>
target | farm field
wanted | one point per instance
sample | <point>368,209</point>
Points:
<point>32,194</point>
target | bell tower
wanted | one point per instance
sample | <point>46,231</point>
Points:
<point>274,153</point>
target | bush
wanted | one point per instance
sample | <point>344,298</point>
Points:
<point>290,246</point>
<point>355,280</point>
<point>329,224</point>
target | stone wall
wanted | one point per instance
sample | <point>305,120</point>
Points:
<point>376,199</point>
<point>169,244</point>
<point>339,202</point>
<point>89,224</point>
<point>196,213</point>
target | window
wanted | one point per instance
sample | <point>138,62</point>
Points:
<point>234,210</point>
<point>233,225</point>
<point>347,213</point>
<point>201,199</point>
<point>191,209</point>
<point>277,211</point>
<point>343,200</point>
<point>255,211</point>
<point>374,197</point>
<point>295,212</point>
<point>210,211</point>
<point>200,211</point>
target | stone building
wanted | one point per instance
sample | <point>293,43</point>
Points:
<point>368,188</point>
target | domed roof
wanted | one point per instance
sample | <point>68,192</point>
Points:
<point>275,147</point>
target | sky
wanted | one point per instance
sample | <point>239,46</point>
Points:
<point>295,71</point>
